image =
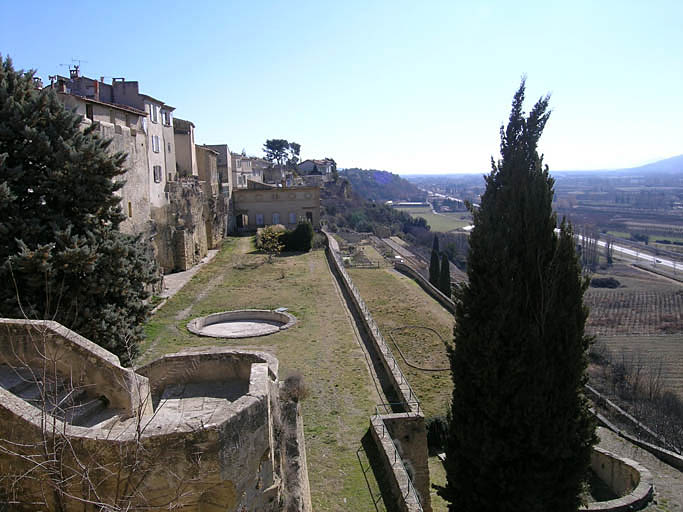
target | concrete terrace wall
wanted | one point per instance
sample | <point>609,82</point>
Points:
<point>625,477</point>
<point>397,433</point>
<point>446,302</point>
<point>41,343</point>
<point>225,456</point>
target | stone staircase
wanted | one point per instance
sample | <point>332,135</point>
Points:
<point>57,397</point>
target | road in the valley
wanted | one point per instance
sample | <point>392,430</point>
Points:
<point>639,255</point>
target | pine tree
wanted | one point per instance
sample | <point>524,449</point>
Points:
<point>445,276</point>
<point>520,432</point>
<point>61,254</point>
<point>434,269</point>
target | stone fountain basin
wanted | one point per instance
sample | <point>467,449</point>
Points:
<point>243,323</point>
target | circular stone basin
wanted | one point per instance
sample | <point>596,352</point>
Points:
<point>243,323</point>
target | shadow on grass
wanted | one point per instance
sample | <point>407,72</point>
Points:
<point>381,498</point>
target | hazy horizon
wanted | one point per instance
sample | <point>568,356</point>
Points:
<point>387,84</point>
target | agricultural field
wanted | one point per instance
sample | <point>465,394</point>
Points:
<point>661,353</point>
<point>322,347</point>
<point>644,304</point>
<point>442,222</point>
<point>641,320</point>
<point>410,320</point>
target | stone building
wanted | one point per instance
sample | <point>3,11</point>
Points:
<point>263,205</point>
<point>224,163</point>
<point>186,158</point>
<point>180,216</point>
<point>244,170</point>
<point>124,126</point>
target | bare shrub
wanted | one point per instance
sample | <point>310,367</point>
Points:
<point>295,388</point>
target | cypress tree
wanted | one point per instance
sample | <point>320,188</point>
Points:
<point>520,432</point>
<point>61,254</point>
<point>445,276</point>
<point>434,269</point>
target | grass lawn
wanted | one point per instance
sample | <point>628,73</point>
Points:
<point>442,222</point>
<point>322,347</point>
<point>397,301</point>
<point>437,475</point>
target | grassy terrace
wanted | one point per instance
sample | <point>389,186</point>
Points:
<point>442,222</point>
<point>397,301</point>
<point>322,347</point>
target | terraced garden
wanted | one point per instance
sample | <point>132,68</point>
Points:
<point>402,310</point>
<point>321,346</point>
<point>442,222</point>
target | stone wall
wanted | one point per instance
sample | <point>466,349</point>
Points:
<point>409,476</point>
<point>190,225</point>
<point>226,455</point>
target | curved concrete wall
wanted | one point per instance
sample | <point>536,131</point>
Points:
<point>626,478</point>
<point>224,456</point>
<point>37,343</point>
<point>285,320</point>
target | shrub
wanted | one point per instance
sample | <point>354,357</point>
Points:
<point>437,433</point>
<point>301,238</point>
<point>604,282</point>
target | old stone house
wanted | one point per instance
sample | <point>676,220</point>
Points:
<point>181,217</point>
<point>263,205</point>
<point>186,158</point>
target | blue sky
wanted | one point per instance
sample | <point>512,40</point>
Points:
<point>401,86</point>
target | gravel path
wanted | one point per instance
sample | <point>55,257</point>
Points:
<point>668,481</point>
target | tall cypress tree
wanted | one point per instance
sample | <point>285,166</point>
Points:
<point>61,254</point>
<point>434,269</point>
<point>445,276</point>
<point>520,434</point>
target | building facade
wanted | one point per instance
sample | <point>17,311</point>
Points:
<point>264,205</point>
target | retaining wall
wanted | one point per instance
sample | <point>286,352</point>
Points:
<point>669,457</point>
<point>446,302</point>
<point>408,424</point>
<point>626,478</point>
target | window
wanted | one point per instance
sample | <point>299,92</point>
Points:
<point>88,112</point>
<point>169,147</point>
<point>259,219</point>
<point>309,217</point>
<point>155,143</point>
<point>157,174</point>
<point>154,113</point>
<point>166,116</point>
<point>292,218</point>
<point>276,218</point>
<point>130,210</point>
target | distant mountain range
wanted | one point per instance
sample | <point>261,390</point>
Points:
<point>668,165</point>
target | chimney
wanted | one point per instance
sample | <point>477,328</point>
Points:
<point>97,91</point>
<point>102,79</point>
<point>61,85</point>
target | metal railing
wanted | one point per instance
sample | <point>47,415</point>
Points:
<point>411,400</point>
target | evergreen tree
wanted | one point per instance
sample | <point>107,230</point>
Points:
<point>520,433</point>
<point>445,276</point>
<point>61,254</point>
<point>434,268</point>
